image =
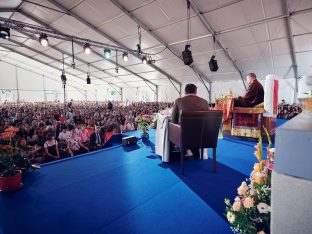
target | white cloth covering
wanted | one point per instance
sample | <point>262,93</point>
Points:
<point>162,138</point>
<point>269,95</point>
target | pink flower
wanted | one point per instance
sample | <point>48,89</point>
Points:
<point>248,202</point>
<point>242,189</point>
<point>236,206</point>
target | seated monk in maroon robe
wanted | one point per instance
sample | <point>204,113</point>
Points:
<point>254,94</point>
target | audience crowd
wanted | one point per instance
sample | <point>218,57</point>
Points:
<point>47,134</point>
<point>288,111</point>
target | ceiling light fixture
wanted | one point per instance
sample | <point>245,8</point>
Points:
<point>87,48</point>
<point>125,57</point>
<point>4,33</point>
<point>187,53</point>
<point>43,40</point>
<point>88,79</point>
<point>144,60</point>
<point>107,53</point>
<point>88,75</point>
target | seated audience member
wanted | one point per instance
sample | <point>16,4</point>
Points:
<point>96,142</point>
<point>190,102</point>
<point>84,136</point>
<point>51,149</point>
<point>30,152</point>
<point>74,145</point>
<point>64,134</point>
<point>130,125</point>
<point>254,94</point>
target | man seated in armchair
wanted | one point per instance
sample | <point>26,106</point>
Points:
<point>254,94</point>
<point>190,102</point>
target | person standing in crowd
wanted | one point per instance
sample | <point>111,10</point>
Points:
<point>254,94</point>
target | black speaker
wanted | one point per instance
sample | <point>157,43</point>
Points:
<point>130,140</point>
<point>213,64</point>
<point>187,55</point>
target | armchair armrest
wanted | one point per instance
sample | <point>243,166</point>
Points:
<point>175,134</point>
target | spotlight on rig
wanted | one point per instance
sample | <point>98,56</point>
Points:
<point>4,33</point>
<point>87,48</point>
<point>187,55</point>
<point>125,57</point>
<point>107,53</point>
<point>43,40</point>
<point>88,79</point>
<point>213,64</point>
<point>144,60</point>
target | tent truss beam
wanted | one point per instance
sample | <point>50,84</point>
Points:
<point>153,34</point>
<point>83,21</point>
<point>291,45</point>
<point>95,52</point>
<point>39,61</point>
<point>210,29</point>
<point>53,59</point>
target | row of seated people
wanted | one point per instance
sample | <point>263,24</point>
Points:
<point>45,134</point>
<point>288,111</point>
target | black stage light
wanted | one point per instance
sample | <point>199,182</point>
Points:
<point>144,60</point>
<point>187,55</point>
<point>63,78</point>
<point>43,39</point>
<point>4,33</point>
<point>88,79</point>
<point>213,64</point>
<point>87,48</point>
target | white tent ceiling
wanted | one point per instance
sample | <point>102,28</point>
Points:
<point>253,33</point>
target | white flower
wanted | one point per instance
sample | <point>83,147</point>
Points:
<point>263,208</point>
<point>272,150</point>
<point>258,175</point>
<point>231,217</point>
<point>237,199</point>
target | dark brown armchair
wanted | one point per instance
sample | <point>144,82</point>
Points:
<point>198,129</point>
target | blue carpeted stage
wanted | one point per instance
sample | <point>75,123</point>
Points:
<point>128,190</point>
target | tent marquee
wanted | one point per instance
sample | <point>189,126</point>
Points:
<point>261,36</point>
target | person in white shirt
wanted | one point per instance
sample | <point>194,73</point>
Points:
<point>64,135</point>
<point>74,145</point>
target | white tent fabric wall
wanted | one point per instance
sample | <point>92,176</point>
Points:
<point>167,93</point>
<point>29,86</point>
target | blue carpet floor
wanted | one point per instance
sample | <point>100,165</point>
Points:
<point>128,190</point>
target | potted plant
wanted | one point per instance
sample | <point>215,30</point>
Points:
<point>144,122</point>
<point>12,164</point>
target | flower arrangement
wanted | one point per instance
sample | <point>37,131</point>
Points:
<point>144,122</point>
<point>250,211</point>
<point>11,161</point>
